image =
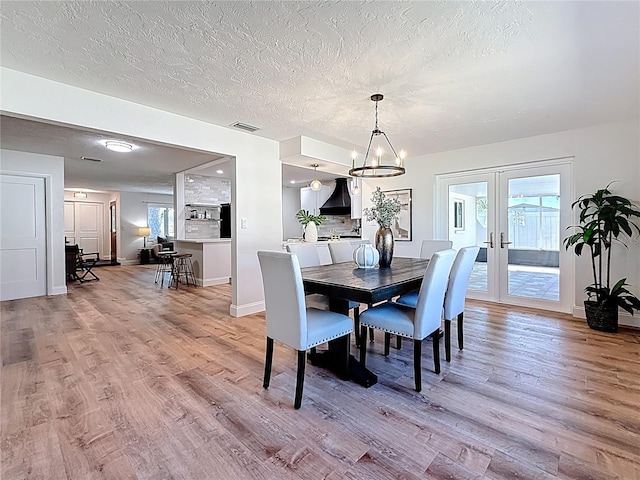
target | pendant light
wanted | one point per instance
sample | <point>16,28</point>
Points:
<point>375,167</point>
<point>315,184</point>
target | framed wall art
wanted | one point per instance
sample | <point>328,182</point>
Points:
<point>402,226</point>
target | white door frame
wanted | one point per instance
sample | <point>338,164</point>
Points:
<point>497,290</point>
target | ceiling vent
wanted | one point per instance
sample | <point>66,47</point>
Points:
<point>245,126</point>
<point>89,159</point>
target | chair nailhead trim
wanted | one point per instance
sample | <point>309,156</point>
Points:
<point>325,340</point>
<point>385,330</point>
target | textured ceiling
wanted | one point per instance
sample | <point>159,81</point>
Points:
<point>454,74</point>
<point>148,168</point>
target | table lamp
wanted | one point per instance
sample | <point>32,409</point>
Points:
<point>144,232</point>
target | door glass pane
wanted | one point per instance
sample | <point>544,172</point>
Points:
<point>534,233</point>
<point>468,208</point>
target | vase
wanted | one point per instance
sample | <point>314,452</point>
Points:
<point>601,317</point>
<point>366,256</point>
<point>311,233</point>
<point>384,245</point>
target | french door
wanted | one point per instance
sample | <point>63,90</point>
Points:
<point>517,216</point>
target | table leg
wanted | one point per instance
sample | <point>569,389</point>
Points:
<point>338,358</point>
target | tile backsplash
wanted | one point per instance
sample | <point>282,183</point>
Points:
<point>208,190</point>
<point>198,229</point>
<point>342,225</point>
<point>200,189</point>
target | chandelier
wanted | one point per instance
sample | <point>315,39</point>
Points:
<point>375,167</point>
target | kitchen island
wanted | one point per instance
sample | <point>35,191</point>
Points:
<point>211,259</point>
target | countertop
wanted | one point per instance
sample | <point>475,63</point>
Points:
<point>205,240</point>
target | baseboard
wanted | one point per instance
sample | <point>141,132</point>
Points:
<point>207,282</point>
<point>248,309</point>
<point>58,290</point>
<point>624,318</point>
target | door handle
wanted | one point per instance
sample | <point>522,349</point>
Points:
<point>502,242</point>
<point>490,242</point>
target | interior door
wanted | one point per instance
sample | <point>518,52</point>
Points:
<point>23,245</point>
<point>517,217</point>
<point>84,225</point>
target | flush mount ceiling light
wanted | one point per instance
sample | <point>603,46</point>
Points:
<point>219,172</point>
<point>116,146</point>
<point>315,183</point>
<point>374,167</point>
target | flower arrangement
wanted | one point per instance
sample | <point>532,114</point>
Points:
<point>305,217</point>
<point>384,210</point>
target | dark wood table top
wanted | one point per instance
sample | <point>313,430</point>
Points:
<point>347,281</point>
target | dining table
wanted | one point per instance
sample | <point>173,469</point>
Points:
<point>342,282</point>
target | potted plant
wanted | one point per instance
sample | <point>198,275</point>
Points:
<point>384,211</point>
<point>310,222</point>
<point>604,218</point>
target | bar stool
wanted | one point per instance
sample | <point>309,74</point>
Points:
<point>165,265</point>
<point>183,269</point>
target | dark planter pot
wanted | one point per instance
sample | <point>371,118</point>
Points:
<point>601,317</point>
<point>384,245</point>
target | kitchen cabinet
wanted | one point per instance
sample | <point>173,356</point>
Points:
<point>312,201</point>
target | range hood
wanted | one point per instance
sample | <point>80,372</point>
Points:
<point>339,203</point>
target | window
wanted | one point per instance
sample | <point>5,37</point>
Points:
<point>458,215</point>
<point>161,220</point>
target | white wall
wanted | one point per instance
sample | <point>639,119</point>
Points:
<point>291,227</point>
<point>133,214</point>
<point>52,170</point>
<point>257,186</point>
<point>602,153</point>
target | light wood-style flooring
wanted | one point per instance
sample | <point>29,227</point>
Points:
<point>121,379</point>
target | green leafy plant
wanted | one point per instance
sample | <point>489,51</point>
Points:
<point>384,211</point>
<point>605,218</point>
<point>305,217</point>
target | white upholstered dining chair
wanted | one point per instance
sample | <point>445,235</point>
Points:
<point>454,298</point>
<point>289,320</point>
<point>416,323</point>
<point>429,247</point>
<point>308,256</point>
<point>341,252</point>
